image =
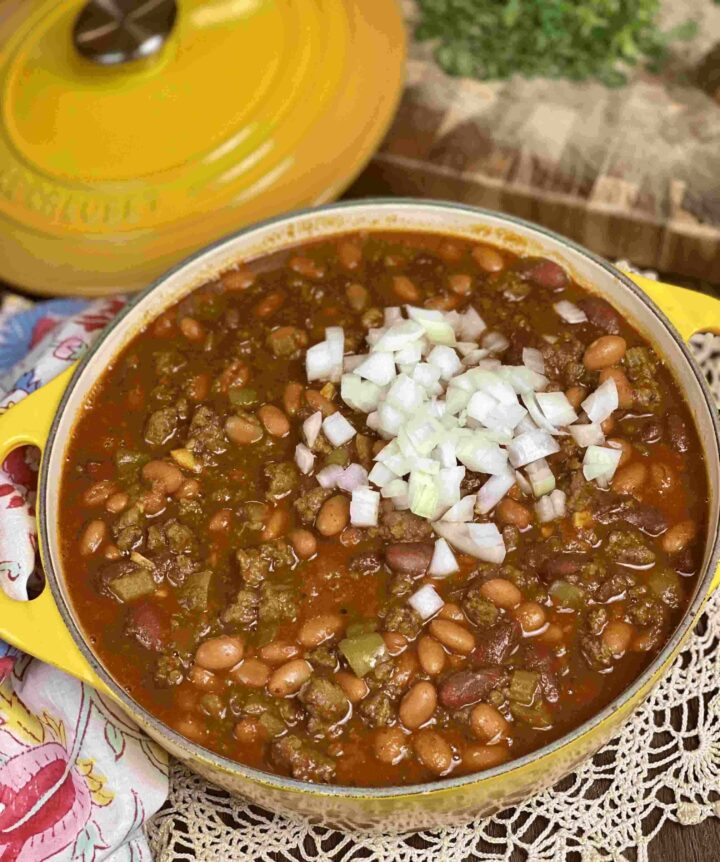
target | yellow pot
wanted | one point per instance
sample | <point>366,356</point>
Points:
<point>48,626</point>
<point>111,174</point>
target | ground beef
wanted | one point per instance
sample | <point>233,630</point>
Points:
<point>377,709</point>
<point>161,426</point>
<point>402,619</point>
<point>478,609</point>
<point>642,367</point>
<point>323,656</point>
<point>302,760</point>
<point>595,653</point>
<point>206,432</point>
<point>283,478</point>
<point>195,592</point>
<point>627,547</point>
<point>244,609</point>
<point>277,602</point>
<point>563,360</point>
<point>169,671</point>
<point>324,700</point>
<point>257,563</point>
<point>309,504</point>
<point>401,526</point>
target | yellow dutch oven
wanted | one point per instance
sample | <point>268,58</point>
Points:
<point>48,626</point>
<point>133,133</point>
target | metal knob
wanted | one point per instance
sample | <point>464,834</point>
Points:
<point>117,31</point>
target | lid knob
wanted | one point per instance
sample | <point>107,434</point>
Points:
<point>117,31</point>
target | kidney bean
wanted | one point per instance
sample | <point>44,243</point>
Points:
<point>625,391</point>
<point>617,637</point>
<point>320,629</point>
<point>289,678</point>
<point>431,655</point>
<point>279,652</point>
<point>304,543</point>
<point>204,679</point>
<point>475,758</point>
<point>678,537</point>
<point>390,745</point>
<point>677,432</point>
<point>219,653</point>
<point>531,616</point>
<point>630,478</point>
<point>649,519</point>
<point>418,705</point>
<point>501,592</point>
<point>404,289</point>
<point>562,565</point>
<point>275,421</point>
<point>252,672</point>
<point>603,352</point>
<point>543,272</point>
<point>601,314</point>
<point>453,636</point>
<point>354,688</point>
<point>488,258</point>
<point>488,723</point>
<point>148,625</point>
<point>410,558</point>
<point>292,398</point>
<point>433,751</point>
<point>395,642</point>
<point>243,431</point>
<point>469,686</point>
<point>98,492</point>
<point>92,537</point>
<point>650,431</point>
<point>508,512</point>
<point>333,516</point>
<point>626,447</point>
<point>497,643</point>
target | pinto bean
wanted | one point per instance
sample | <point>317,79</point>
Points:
<point>319,402</point>
<point>470,686</point>
<point>279,652</point>
<point>191,329</point>
<point>630,478</point>
<point>304,543</point>
<point>617,637</point>
<point>603,352</point>
<point>501,592</point>
<point>431,655</point>
<point>292,397</point>
<point>488,258</point>
<point>460,284</point>
<point>275,525</point>
<point>275,421</point>
<point>333,515</point>
<point>418,705</point>
<point>190,488</point>
<point>406,668</point>
<point>242,431</point>
<point>204,679</point>
<point>289,678</point>
<point>92,537</point>
<point>220,653</point>
<point>409,558</point>
<point>475,758</point>
<point>220,521</point>
<point>390,745</point>
<point>237,279</point>
<point>252,672</point>
<point>249,731</point>
<point>626,393</point>
<point>531,617</point>
<point>395,642</point>
<point>453,636</point>
<point>679,536</point>
<point>320,629</point>
<point>433,751</point>
<point>510,513</point>
<point>576,395</point>
<point>98,492</point>
<point>117,503</point>
<point>404,289</point>
<point>662,478</point>
<point>357,297</point>
<point>451,611</point>
<point>488,723</point>
<point>269,304</point>
<point>354,688</point>
<point>349,253</point>
<point>306,267</point>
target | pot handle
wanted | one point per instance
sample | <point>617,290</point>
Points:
<point>37,627</point>
<point>690,312</point>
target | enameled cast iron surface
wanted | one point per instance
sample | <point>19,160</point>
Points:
<point>454,799</point>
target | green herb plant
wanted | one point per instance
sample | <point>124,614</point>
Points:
<point>575,39</point>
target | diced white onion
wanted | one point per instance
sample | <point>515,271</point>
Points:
<point>529,399</point>
<point>351,362</point>
<point>381,475</point>
<point>320,362</point>
<point>523,483</point>
<point>601,403</point>
<point>495,342</point>
<point>587,435</point>
<point>328,476</point>
<point>600,462</point>
<point>445,359</point>
<point>391,315</point>
<point>337,429</point>
<point>396,488</point>
<point>531,446</point>
<point>541,477</point>
<point>551,506</point>
<point>423,493</point>
<point>304,458</point>
<point>364,507</point>
<point>471,326</point>
<point>462,511</point>
<point>556,408</point>
<point>311,428</point>
<point>533,359</point>
<point>353,476</point>
<point>443,562</point>
<point>570,312</point>
<point>426,601</point>
<point>493,491</point>
<point>378,368</point>
<point>410,354</point>
<point>399,335</point>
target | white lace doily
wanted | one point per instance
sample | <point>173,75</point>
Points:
<point>664,765</point>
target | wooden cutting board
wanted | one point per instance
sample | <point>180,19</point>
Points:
<point>631,173</point>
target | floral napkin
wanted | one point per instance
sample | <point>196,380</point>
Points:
<point>77,777</point>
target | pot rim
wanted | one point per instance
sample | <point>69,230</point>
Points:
<point>279,782</point>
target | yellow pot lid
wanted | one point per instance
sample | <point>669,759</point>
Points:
<point>110,174</point>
